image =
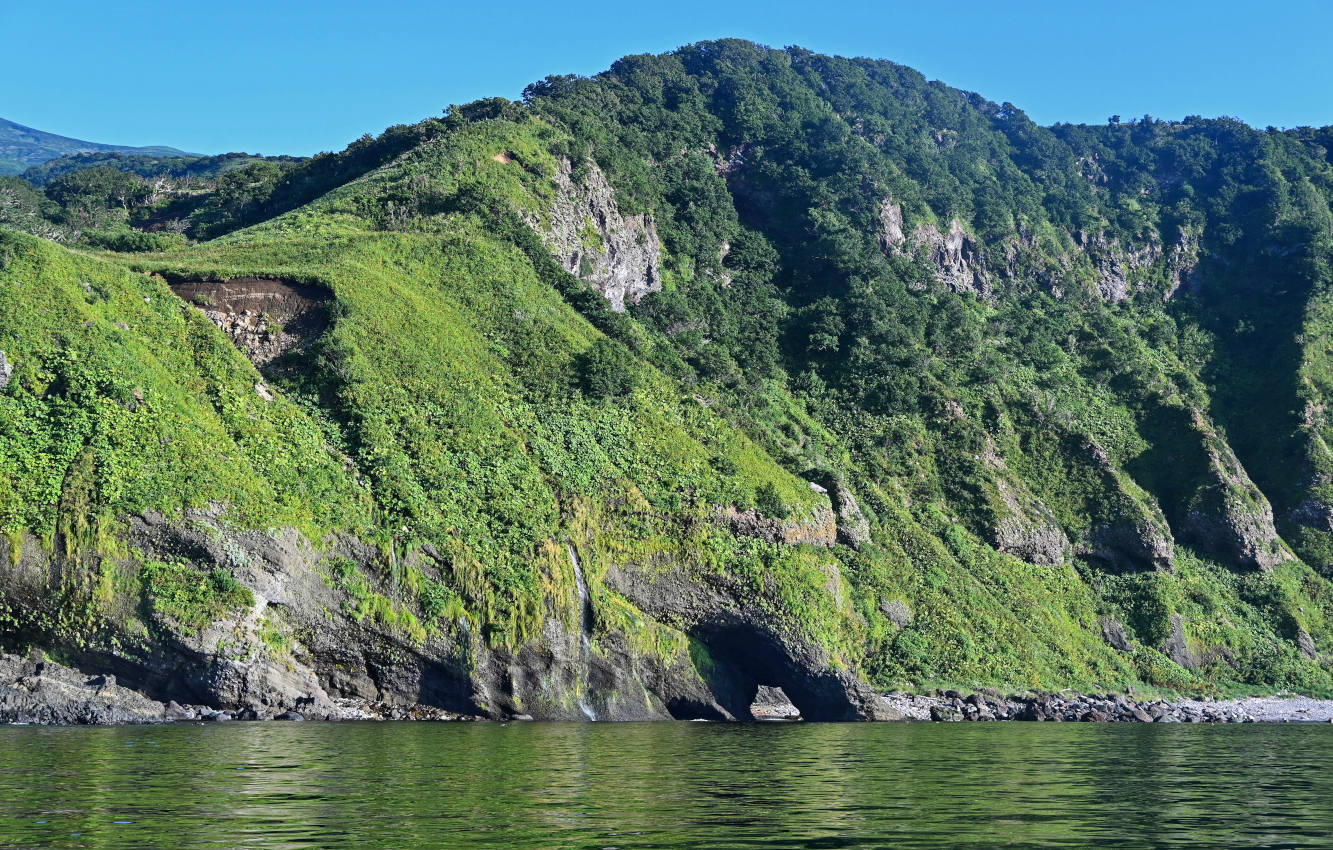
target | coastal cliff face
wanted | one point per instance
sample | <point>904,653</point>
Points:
<point>720,385</point>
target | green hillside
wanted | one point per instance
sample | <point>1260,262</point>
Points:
<point>907,391</point>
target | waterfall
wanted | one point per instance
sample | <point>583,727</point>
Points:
<point>585,628</point>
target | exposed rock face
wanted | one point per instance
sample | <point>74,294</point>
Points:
<point>891,235</point>
<point>1021,525</point>
<point>820,529</point>
<point>265,318</point>
<point>329,657</point>
<point>34,690</point>
<point>587,234</point>
<point>1229,517</point>
<point>1028,531</point>
<point>746,647</point>
<point>897,612</point>
<point>1306,645</point>
<point>6,369</point>
<point>1116,266</point>
<point>1138,536</point>
<point>955,256</point>
<point>1133,544</point>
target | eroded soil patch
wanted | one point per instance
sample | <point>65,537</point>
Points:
<point>266,318</point>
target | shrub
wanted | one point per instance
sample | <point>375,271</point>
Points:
<point>607,370</point>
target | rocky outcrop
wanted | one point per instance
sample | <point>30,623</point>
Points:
<point>265,318</point>
<point>302,644</point>
<point>853,529</point>
<point>1021,525</point>
<point>6,369</point>
<point>1135,543</point>
<point>1177,648</point>
<point>1113,632</point>
<point>897,612</point>
<point>891,236</point>
<point>1228,517</point>
<point>619,255</point>
<point>35,690</point>
<point>819,528</point>
<point>955,256</point>
<point>746,647</point>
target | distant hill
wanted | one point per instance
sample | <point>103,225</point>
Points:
<point>146,165</point>
<point>23,147</point>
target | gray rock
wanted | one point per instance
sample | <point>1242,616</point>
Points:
<point>1306,644</point>
<point>1114,634</point>
<point>853,529</point>
<point>38,691</point>
<point>1177,648</point>
<point>589,236</point>
<point>891,235</point>
<point>955,256</point>
<point>1227,516</point>
<point>6,369</point>
<point>897,612</point>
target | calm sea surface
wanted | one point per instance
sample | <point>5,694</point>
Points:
<point>401,785</point>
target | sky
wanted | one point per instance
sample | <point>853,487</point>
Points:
<point>298,76</point>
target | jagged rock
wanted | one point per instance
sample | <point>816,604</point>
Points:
<point>891,236</point>
<point>819,529</point>
<point>1028,531</point>
<point>6,369</point>
<point>955,256</point>
<point>1138,537</point>
<point>1114,635</point>
<point>587,234</point>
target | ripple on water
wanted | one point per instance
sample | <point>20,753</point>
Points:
<point>668,785</point>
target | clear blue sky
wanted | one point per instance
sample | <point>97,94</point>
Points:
<point>299,76</point>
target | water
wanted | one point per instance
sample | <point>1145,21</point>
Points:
<point>585,626</point>
<point>402,785</point>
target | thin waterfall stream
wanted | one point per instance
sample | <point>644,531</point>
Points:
<point>585,629</point>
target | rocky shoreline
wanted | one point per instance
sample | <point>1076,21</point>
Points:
<point>989,705</point>
<point>36,691</point>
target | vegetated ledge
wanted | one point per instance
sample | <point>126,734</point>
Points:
<point>37,691</point>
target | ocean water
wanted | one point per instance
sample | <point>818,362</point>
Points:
<point>593,785</point>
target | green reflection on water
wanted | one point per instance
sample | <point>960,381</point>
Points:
<point>667,785</point>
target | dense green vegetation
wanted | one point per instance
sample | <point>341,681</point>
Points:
<point>1079,414</point>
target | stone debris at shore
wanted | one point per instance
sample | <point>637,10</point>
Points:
<point>1068,707</point>
<point>36,691</point>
